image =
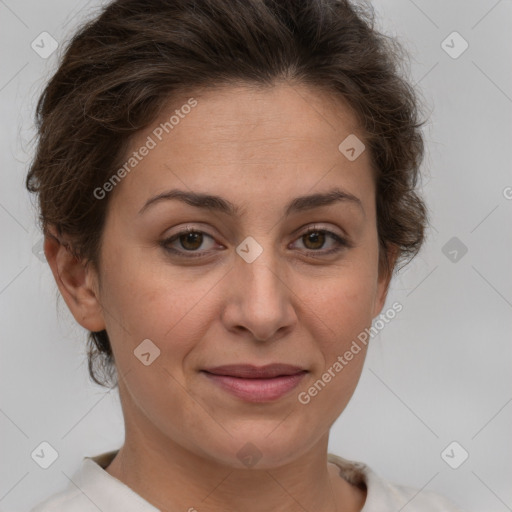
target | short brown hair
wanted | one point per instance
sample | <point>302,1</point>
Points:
<point>119,70</point>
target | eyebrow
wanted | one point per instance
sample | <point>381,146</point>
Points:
<point>221,205</point>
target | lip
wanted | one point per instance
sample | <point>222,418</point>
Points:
<point>256,383</point>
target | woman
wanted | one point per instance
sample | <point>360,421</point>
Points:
<point>226,188</point>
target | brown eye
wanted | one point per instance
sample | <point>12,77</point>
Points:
<point>322,242</point>
<point>314,240</point>
<point>191,241</point>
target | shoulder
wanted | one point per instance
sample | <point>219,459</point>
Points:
<point>384,495</point>
<point>92,489</point>
<point>75,497</point>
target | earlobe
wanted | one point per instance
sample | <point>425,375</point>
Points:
<point>76,282</point>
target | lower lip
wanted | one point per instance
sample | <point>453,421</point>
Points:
<point>257,390</point>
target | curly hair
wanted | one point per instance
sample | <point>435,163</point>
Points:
<point>119,70</point>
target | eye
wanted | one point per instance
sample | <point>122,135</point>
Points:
<point>314,239</point>
<point>187,241</point>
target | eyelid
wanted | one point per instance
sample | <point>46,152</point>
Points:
<point>307,228</point>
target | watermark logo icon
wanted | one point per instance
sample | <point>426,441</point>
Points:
<point>454,250</point>
<point>44,455</point>
<point>44,45</point>
<point>454,455</point>
<point>249,455</point>
<point>38,250</point>
<point>352,147</point>
<point>454,45</point>
<point>249,249</point>
<point>146,352</point>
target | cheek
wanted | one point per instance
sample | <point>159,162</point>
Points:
<point>345,306</point>
<point>345,301</point>
<point>144,300</point>
<point>346,309</point>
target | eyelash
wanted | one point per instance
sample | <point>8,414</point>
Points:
<point>341,243</point>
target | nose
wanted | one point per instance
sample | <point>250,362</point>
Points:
<point>259,299</point>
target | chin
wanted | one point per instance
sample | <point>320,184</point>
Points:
<point>258,445</point>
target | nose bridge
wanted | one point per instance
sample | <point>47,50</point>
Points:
<point>260,296</point>
<point>259,276</point>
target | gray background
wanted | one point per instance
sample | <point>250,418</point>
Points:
<point>439,372</point>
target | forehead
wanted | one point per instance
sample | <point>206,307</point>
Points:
<point>284,135</point>
<point>256,115</point>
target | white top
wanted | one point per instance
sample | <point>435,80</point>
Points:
<point>93,489</point>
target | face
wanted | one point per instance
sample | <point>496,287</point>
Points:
<point>260,275</point>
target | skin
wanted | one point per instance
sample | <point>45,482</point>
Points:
<point>258,148</point>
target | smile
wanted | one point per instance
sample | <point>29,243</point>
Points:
<point>253,384</point>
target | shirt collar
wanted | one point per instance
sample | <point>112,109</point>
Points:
<point>105,491</point>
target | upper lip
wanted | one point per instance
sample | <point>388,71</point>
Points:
<point>249,371</point>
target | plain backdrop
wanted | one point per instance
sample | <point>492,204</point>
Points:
<point>439,373</point>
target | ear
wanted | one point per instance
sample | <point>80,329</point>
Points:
<point>78,283</point>
<point>385,274</point>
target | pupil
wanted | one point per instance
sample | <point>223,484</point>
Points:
<point>195,238</point>
<point>315,236</point>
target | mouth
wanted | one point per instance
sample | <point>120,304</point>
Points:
<point>256,384</point>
